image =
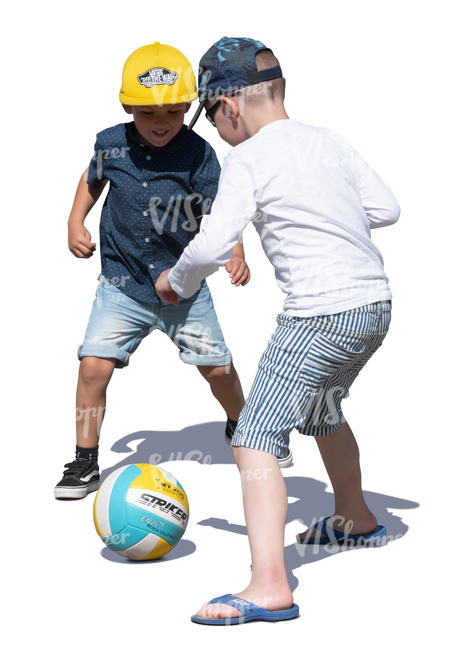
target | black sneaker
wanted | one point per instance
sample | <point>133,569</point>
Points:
<point>229,430</point>
<point>80,477</point>
<point>284,461</point>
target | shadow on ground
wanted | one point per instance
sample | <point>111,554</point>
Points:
<point>309,499</point>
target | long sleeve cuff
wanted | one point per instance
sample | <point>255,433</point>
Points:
<point>186,283</point>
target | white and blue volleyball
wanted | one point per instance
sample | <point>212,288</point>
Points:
<point>141,511</point>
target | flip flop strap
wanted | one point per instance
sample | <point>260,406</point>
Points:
<point>322,526</point>
<point>244,606</point>
<point>339,535</point>
<point>332,533</point>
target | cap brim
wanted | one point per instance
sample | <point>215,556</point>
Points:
<point>196,116</point>
<point>151,101</point>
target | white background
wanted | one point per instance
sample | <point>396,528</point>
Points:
<point>392,78</point>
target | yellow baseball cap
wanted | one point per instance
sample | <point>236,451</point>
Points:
<point>157,74</point>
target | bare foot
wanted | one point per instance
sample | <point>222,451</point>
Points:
<point>275,599</point>
<point>350,526</point>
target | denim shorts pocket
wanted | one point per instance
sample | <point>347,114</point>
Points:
<point>114,295</point>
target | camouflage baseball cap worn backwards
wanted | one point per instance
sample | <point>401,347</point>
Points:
<point>230,65</point>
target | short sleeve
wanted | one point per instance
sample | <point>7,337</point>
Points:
<point>96,171</point>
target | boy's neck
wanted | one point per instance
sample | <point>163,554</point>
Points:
<point>263,117</point>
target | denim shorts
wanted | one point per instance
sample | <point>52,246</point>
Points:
<point>118,324</point>
<point>305,372</point>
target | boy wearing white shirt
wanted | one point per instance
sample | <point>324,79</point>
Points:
<point>313,200</point>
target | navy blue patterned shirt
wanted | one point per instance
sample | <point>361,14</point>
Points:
<point>156,200</point>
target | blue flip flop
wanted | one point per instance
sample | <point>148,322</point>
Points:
<point>338,537</point>
<point>249,612</point>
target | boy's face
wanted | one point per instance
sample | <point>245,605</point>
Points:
<point>158,124</point>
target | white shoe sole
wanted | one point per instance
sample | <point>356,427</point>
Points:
<point>75,492</point>
<point>287,461</point>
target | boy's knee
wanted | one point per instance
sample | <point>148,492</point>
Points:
<point>217,374</point>
<point>94,370</point>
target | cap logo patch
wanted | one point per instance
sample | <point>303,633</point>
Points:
<point>157,77</point>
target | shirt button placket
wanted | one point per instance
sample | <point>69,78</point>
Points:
<point>145,213</point>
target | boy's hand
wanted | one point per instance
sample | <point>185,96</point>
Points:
<point>164,289</point>
<point>238,270</point>
<point>79,240</point>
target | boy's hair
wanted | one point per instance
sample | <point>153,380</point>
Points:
<point>273,90</point>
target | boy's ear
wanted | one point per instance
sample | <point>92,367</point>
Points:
<point>127,108</point>
<point>188,105</point>
<point>229,107</point>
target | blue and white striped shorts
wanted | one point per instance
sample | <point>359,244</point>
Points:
<point>308,367</point>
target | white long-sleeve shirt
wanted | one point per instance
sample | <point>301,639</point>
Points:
<point>313,201</point>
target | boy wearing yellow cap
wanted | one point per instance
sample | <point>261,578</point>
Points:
<point>163,178</point>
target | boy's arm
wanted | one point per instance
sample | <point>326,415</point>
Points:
<point>238,250</point>
<point>220,233</point>
<point>79,238</point>
<point>378,201</point>
<point>205,185</point>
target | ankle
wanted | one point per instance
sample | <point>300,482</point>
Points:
<point>86,453</point>
<point>269,577</point>
<point>269,595</point>
<point>353,520</point>
<point>351,505</point>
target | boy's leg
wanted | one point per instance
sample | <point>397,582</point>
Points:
<point>265,509</point>
<point>93,378</point>
<point>193,326</point>
<point>343,349</point>
<point>339,451</point>
<point>226,388</point>
<point>272,409</point>
<point>116,326</point>
<point>81,476</point>
<point>115,329</point>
